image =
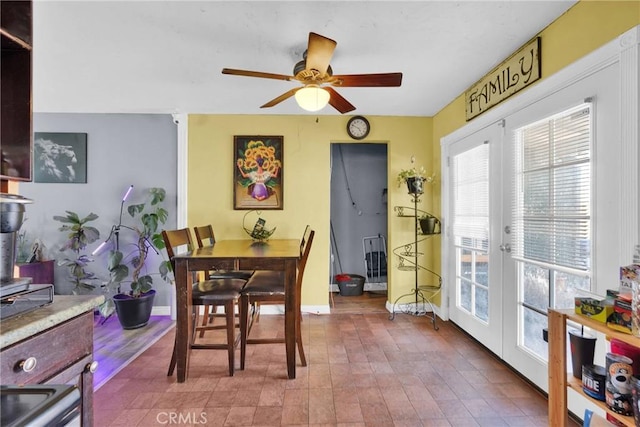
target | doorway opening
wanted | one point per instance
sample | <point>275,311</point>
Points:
<point>358,223</point>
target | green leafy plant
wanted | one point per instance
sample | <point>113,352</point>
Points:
<point>79,235</point>
<point>23,247</point>
<point>414,172</point>
<point>149,216</point>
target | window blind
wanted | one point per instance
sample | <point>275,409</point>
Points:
<point>552,205</point>
<point>470,183</point>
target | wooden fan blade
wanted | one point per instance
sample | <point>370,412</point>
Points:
<point>256,74</point>
<point>367,80</point>
<point>338,102</point>
<point>319,53</point>
<point>281,98</point>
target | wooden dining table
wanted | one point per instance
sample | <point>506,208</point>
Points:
<point>242,254</point>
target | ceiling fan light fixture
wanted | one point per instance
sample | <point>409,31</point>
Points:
<point>312,97</point>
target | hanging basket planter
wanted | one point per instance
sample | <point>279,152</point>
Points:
<point>415,178</point>
<point>415,185</point>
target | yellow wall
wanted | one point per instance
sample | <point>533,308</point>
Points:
<point>585,27</point>
<point>581,30</point>
<point>307,180</point>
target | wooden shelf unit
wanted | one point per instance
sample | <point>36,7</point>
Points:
<point>559,380</point>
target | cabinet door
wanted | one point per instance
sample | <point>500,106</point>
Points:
<point>80,375</point>
<point>15,86</point>
<point>16,19</point>
<point>53,351</point>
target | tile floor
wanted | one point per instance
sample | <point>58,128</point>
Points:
<point>363,370</point>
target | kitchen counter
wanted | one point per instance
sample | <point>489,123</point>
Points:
<point>63,308</point>
<point>53,345</point>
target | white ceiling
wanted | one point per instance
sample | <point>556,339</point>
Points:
<point>167,56</point>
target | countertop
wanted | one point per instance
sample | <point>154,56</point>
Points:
<point>63,308</point>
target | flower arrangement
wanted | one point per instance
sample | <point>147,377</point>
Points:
<point>259,169</point>
<point>258,150</point>
<point>414,172</point>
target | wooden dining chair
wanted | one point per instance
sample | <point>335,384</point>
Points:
<point>205,237</point>
<point>268,286</point>
<point>208,292</point>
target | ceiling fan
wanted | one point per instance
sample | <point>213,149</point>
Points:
<point>318,80</point>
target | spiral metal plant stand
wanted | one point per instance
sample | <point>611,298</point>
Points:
<point>422,295</point>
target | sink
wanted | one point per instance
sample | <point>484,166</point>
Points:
<point>38,405</point>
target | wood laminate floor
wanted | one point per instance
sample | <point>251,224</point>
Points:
<point>363,370</point>
<point>367,303</point>
<point>114,348</point>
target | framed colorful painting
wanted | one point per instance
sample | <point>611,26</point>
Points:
<point>258,172</point>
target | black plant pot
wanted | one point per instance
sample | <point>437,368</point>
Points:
<point>430,225</point>
<point>132,312</point>
<point>415,185</point>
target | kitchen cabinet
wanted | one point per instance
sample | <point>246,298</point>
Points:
<point>559,380</point>
<point>52,345</point>
<point>16,87</point>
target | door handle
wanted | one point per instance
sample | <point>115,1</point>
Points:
<point>505,248</point>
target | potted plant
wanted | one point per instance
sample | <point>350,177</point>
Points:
<point>79,235</point>
<point>134,305</point>
<point>429,224</point>
<point>415,178</point>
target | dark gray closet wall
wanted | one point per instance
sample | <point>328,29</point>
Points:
<point>358,202</point>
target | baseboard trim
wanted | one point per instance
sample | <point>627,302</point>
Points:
<point>163,310</point>
<point>368,286</point>
<point>265,309</point>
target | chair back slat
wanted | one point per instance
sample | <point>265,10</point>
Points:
<point>305,237</point>
<point>204,235</point>
<point>305,247</point>
<point>174,239</point>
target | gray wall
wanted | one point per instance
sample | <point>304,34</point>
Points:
<point>122,149</point>
<point>359,169</point>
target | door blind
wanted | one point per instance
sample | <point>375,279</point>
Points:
<point>471,198</point>
<point>552,205</point>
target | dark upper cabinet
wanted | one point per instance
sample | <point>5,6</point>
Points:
<point>16,19</point>
<point>16,134</point>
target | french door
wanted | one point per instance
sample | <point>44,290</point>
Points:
<point>475,293</point>
<point>522,218</point>
<point>558,159</point>
<point>549,207</point>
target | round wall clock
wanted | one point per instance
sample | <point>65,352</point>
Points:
<point>358,127</point>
